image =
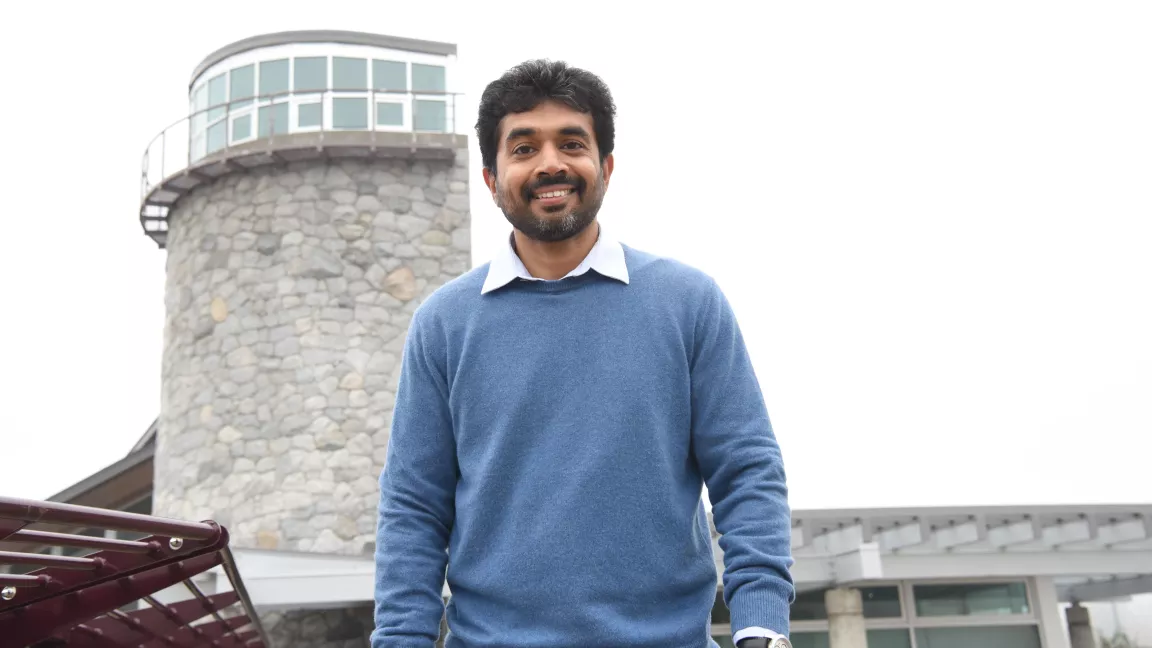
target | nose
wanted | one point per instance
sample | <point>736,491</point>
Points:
<point>551,162</point>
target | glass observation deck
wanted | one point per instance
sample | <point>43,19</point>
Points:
<point>299,95</point>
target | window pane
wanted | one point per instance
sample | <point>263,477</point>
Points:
<point>988,637</point>
<point>273,77</point>
<point>217,95</point>
<point>889,639</point>
<point>809,639</point>
<point>876,639</point>
<point>879,603</point>
<point>430,115</point>
<point>273,119</point>
<point>389,75</point>
<point>197,146</point>
<point>389,114</point>
<point>427,78</point>
<point>199,103</point>
<point>349,73</point>
<point>242,128</point>
<point>310,115</point>
<point>971,599</point>
<point>311,73</point>
<point>217,136</point>
<point>242,85</point>
<point>350,112</point>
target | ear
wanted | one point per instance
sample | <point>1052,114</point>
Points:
<point>609,164</point>
<point>490,180</point>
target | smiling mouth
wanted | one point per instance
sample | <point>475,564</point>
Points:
<point>553,195</point>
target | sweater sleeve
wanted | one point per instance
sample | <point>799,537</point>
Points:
<point>742,467</point>
<point>417,498</point>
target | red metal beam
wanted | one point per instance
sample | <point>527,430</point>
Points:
<point>84,542</point>
<point>46,560</point>
<point>58,513</point>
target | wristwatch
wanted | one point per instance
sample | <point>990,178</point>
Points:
<point>764,642</point>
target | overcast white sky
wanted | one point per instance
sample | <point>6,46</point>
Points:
<point>932,219</point>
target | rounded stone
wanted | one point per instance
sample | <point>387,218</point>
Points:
<point>219,310</point>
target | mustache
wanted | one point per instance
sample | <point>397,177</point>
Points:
<point>577,183</point>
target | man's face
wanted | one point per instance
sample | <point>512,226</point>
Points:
<point>549,181</point>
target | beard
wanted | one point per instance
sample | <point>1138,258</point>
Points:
<point>563,221</point>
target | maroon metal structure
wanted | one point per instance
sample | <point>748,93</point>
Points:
<point>80,601</point>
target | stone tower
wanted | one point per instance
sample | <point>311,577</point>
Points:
<point>315,195</point>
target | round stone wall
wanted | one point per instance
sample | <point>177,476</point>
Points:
<point>289,292</point>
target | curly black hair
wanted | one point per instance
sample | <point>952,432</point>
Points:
<point>523,87</point>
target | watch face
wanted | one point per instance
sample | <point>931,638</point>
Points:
<point>780,643</point>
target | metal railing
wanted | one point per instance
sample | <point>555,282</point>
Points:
<point>87,600</point>
<point>262,118</point>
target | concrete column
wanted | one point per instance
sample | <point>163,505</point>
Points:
<point>845,618</point>
<point>1080,631</point>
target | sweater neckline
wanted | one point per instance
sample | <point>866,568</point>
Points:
<point>556,286</point>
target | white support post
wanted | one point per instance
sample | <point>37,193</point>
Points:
<point>845,618</point>
<point>1047,603</point>
<point>1080,627</point>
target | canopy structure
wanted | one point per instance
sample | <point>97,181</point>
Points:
<point>1094,552</point>
<point>125,592</point>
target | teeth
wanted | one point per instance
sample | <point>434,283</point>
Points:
<point>554,194</point>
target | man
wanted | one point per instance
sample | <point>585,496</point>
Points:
<point>558,412</point>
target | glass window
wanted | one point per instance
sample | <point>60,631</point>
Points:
<point>199,102</point>
<point>349,73</point>
<point>427,78</point>
<point>273,119</point>
<point>350,112</point>
<point>273,77</point>
<point>389,75</point>
<point>430,115</point>
<point>217,96</point>
<point>893,638</point>
<point>889,638</point>
<point>311,73</point>
<point>809,639</point>
<point>988,637</point>
<point>242,128</point>
<point>389,114</point>
<point>217,136</point>
<point>242,85</point>
<point>879,603</point>
<point>310,115</point>
<point>966,599</point>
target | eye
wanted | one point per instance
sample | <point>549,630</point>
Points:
<point>523,149</point>
<point>577,145</point>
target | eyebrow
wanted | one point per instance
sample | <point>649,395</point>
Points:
<point>568,131</point>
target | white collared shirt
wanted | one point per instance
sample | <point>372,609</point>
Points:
<point>606,257</point>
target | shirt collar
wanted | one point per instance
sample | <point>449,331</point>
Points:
<point>606,257</point>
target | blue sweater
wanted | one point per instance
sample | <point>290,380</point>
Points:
<point>548,448</point>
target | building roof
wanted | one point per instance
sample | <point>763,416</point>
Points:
<point>323,36</point>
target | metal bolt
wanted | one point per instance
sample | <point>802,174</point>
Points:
<point>176,543</point>
<point>8,593</point>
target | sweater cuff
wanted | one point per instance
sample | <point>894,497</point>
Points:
<point>760,608</point>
